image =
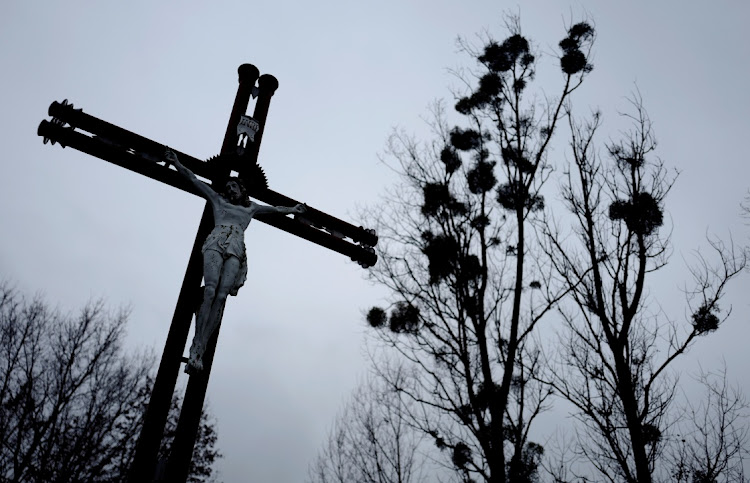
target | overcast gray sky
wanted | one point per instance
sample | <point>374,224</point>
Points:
<point>75,227</point>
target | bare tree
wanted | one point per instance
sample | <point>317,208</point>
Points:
<point>71,401</point>
<point>614,365</point>
<point>712,442</point>
<point>457,255</point>
<point>370,442</point>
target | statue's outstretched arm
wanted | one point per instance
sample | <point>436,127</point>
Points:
<point>205,190</point>
<point>283,210</point>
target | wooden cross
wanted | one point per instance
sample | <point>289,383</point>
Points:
<point>73,128</point>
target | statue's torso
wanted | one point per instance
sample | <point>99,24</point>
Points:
<point>226,213</point>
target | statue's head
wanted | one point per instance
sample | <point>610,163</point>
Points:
<point>235,192</point>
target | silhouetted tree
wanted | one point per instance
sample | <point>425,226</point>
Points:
<point>467,287</point>
<point>713,436</point>
<point>614,365</point>
<point>370,442</point>
<point>71,401</point>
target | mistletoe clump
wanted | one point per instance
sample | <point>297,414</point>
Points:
<point>404,318</point>
<point>488,93</point>
<point>514,195</point>
<point>481,177</point>
<point>502,57</point>
<point>641,214</point>
<point>461,455</point>
<point>525,467</point>
<point>490,86</point>
<point>651,434</point>
<point>442,255</point>
<point>376,317</point>
<point>499,59</point>
<point>450,159</point>
<point>705,320</point>
<point>514,157</point>
<point>480,222</point>
<point>465,139</point>
<point>437,197</point>
<point>445,259</point>
<point>573,59</point>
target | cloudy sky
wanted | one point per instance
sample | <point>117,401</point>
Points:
<point>75,227</point>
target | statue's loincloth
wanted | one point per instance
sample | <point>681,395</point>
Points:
<point>229,240</point>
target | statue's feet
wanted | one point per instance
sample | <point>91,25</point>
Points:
<point>195,362</point>
<point>193,366</point>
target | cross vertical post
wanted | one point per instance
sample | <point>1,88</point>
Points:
<point>187,428</point>
<point>147,449</point>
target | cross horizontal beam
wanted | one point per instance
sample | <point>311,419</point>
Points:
<point>83,132</point>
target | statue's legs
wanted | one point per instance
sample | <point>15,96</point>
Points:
<point>228,277</point>
<point>219,276</point>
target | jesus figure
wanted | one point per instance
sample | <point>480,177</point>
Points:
<point>224,257</point>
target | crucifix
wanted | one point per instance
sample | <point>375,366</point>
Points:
<point>234,169</point>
